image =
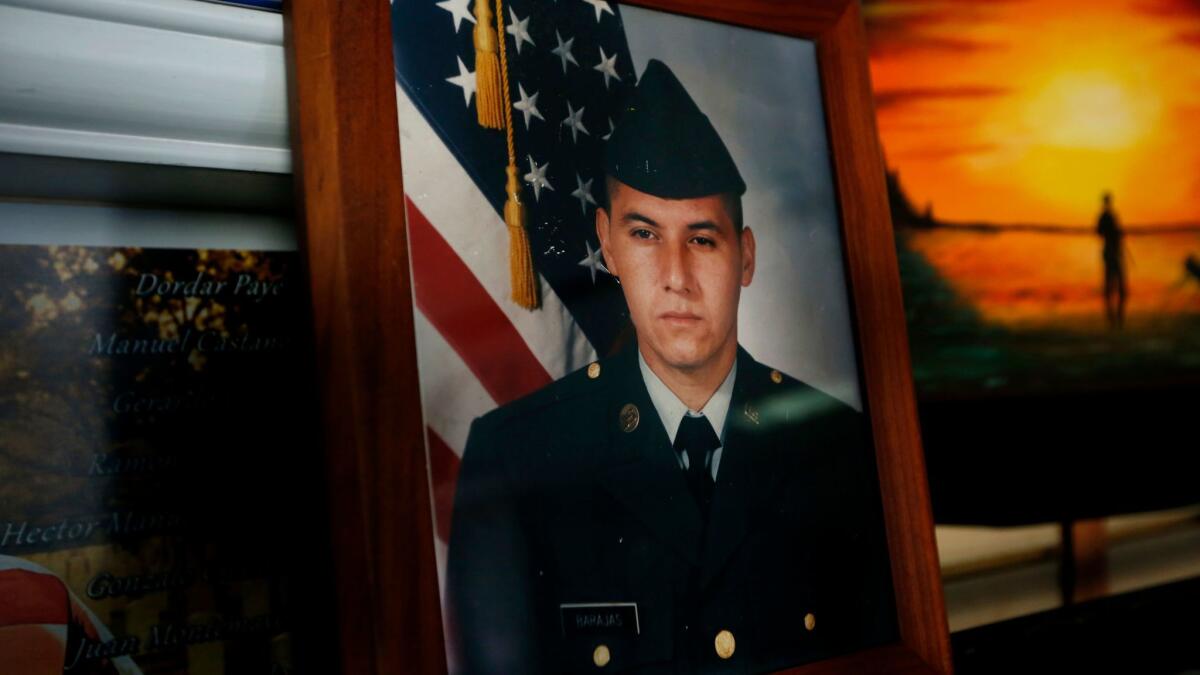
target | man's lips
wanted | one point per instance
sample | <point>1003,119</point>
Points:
<point>679,317</point>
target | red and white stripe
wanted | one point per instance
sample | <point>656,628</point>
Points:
<point>476,348</point>
<point>35,609</point>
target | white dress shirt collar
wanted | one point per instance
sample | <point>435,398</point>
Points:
<point>671,410</point>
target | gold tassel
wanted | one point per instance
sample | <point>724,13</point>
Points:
<point>489,103</point>
<point>525,288</point>
<point>520,259</point>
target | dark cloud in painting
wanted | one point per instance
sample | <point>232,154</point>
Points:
<point>894,98</point>
<point>899,26</point>
<point>1170,8</point>
<point>1189,38</point>
<point>937,152</point>
<point>1184,11</point>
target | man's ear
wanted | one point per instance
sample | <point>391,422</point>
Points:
<point>748,245</point>
<point>602,235</point>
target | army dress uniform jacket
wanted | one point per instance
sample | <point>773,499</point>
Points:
<point>576,546</point>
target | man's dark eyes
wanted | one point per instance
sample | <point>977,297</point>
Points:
<point>645,233</point>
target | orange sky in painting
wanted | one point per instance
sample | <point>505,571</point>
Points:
<point>1024,111</point>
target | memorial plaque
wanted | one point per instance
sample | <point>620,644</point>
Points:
<point>151,457</point>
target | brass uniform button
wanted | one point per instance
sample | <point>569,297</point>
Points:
<point>810,621</point>
<point>593,370</point>
<point>725,644</point>
<point>776,376</point>
<point>601,656</point>
<point>629,417</point>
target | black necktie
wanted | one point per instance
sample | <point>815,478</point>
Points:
<point>697,438</point>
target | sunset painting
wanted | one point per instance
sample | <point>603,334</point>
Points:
<point>1044,171</point>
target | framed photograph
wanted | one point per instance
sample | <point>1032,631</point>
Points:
<point>615,370</point>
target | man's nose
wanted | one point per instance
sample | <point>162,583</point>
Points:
<point>677,268</point>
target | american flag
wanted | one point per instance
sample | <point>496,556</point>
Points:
<point>42,625</point>
<point>569,69</point>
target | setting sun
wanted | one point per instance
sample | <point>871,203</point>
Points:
<point>1025,112</point>
<point>1092,110</point>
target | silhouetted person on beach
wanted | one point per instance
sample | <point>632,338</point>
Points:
<point>1191,266</point>
<point>1115,289</point>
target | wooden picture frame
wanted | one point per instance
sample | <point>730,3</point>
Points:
<point>351,199</point>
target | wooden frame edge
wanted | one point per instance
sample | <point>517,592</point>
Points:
<point>343,110</point>
<point>920,605</point>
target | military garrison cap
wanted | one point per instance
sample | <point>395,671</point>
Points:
<point>665,146</point>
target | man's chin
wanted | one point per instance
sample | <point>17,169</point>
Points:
<point>685,360</point>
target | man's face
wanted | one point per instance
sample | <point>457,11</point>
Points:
<point>682,265</point>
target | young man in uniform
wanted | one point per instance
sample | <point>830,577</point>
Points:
<point>678,507</point>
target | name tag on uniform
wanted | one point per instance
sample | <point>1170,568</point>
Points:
<point>594,618</point>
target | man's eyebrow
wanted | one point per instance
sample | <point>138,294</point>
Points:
<point>704,225</point>
<point>639,218</point>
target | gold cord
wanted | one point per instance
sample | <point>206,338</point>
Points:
<point>525,288</point>
<point>508,126</point>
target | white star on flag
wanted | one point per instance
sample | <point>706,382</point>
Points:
<point>528,106</point>
<point>583,193</point>
<point>458,12</point>
<point>518,28</point>
<point>600,6</point>
<point>464,79</point>
<point>574,119</point>
<point>563,51</point>
<point>594,261</point>
<point>607,67</point>
<point>537,178</point>
<point>610,130</point>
